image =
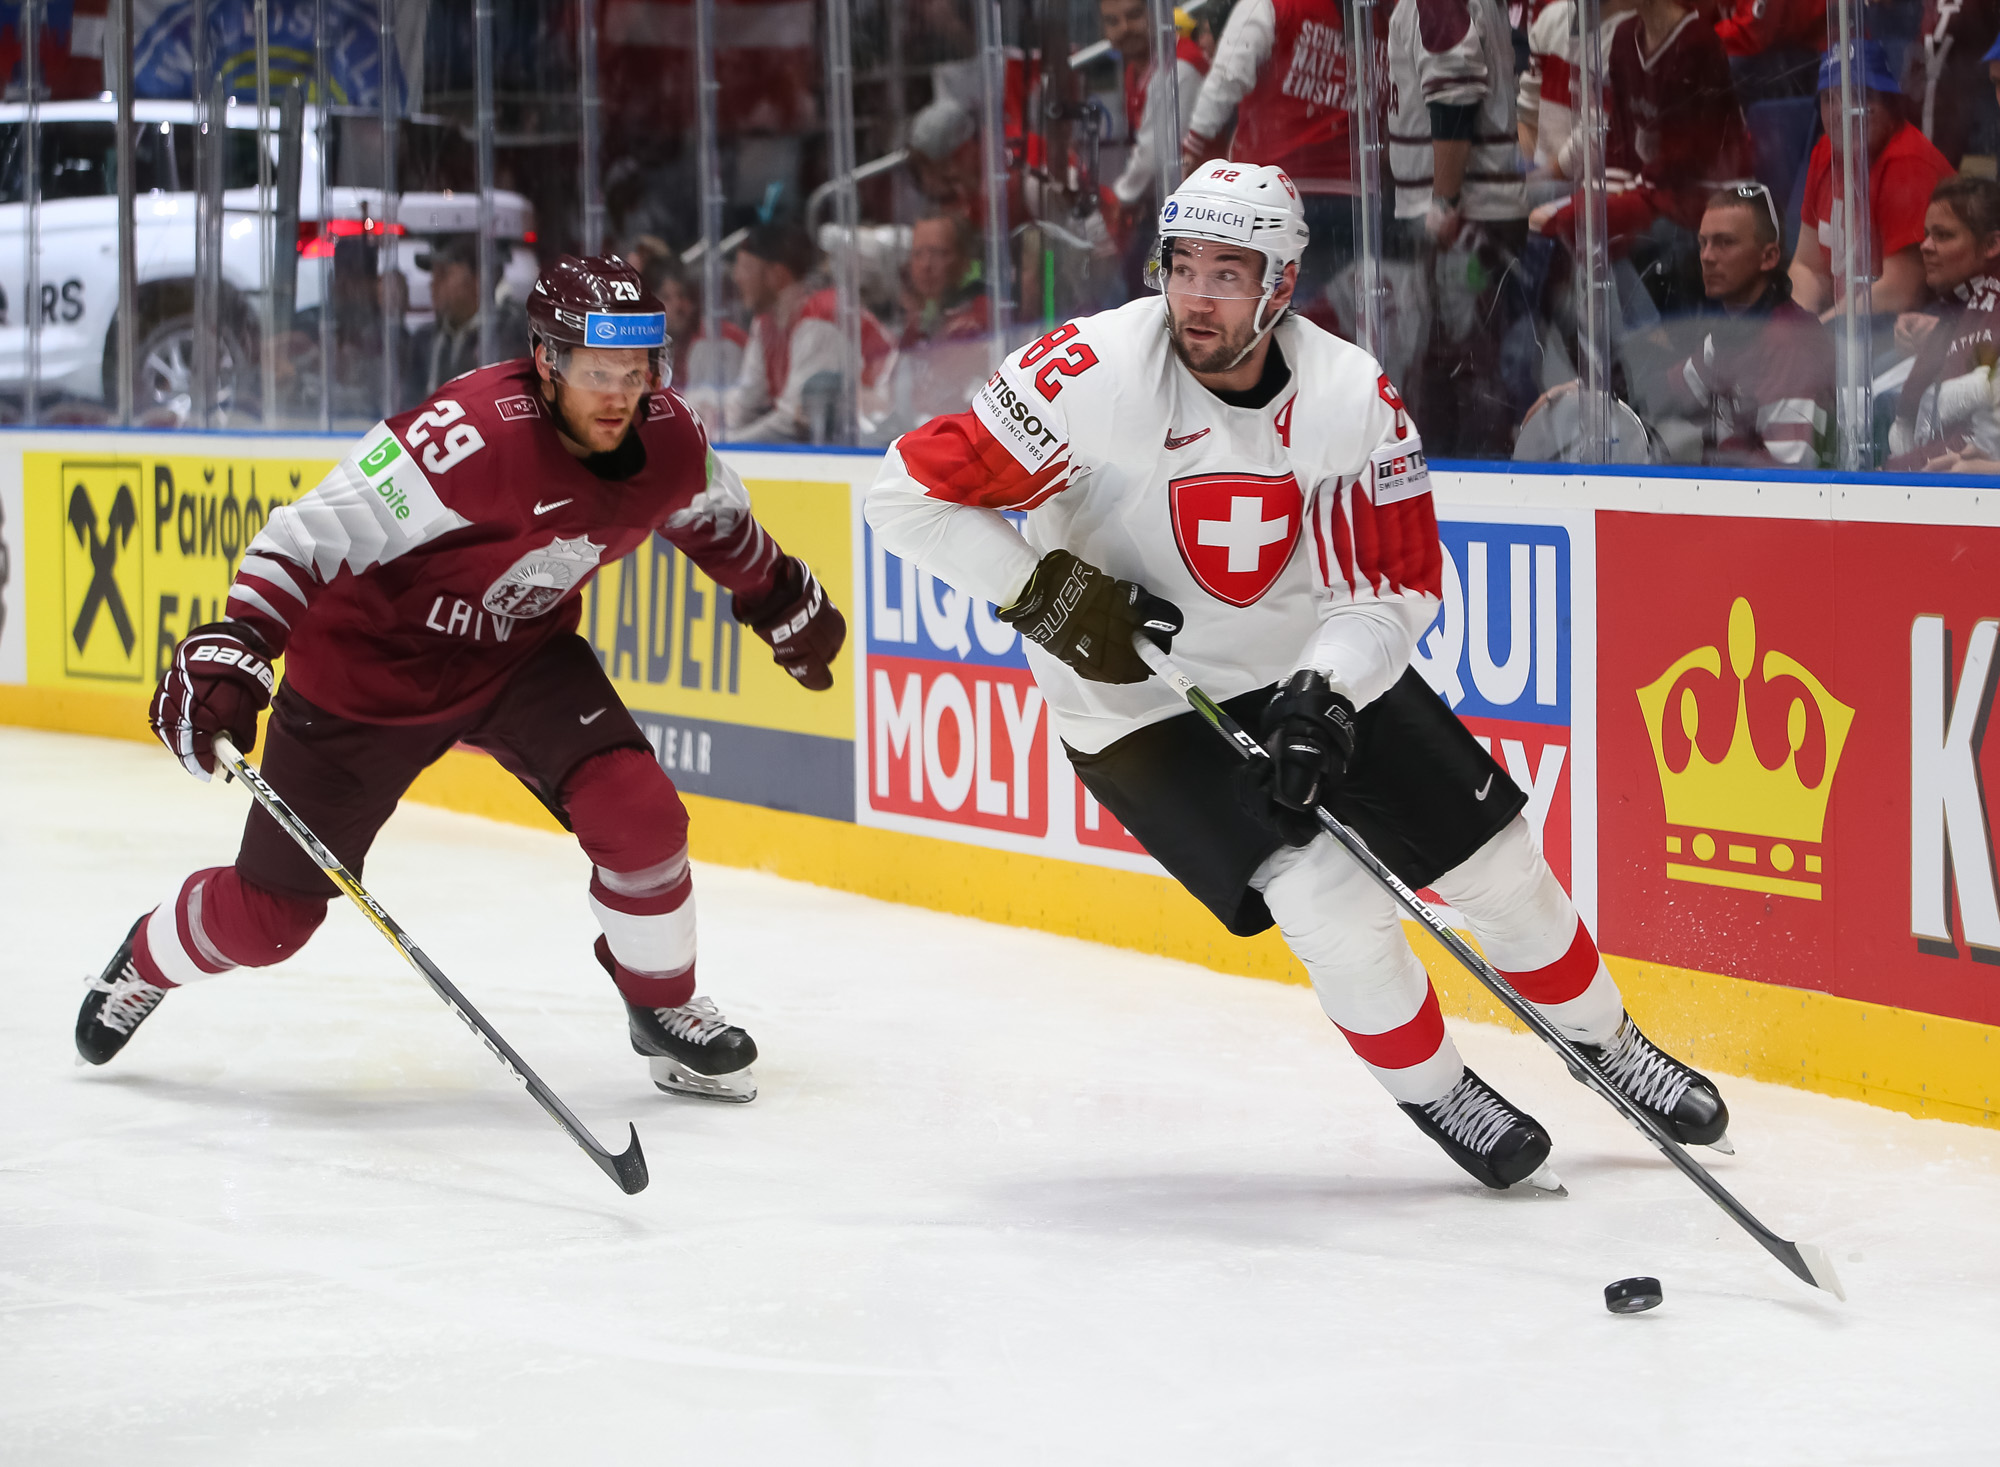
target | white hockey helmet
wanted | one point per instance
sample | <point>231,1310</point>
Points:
<point>1250,204</point>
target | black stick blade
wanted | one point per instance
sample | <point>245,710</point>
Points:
<point>628,1168</point>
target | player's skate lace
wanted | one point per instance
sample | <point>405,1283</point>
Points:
<point>131,999</point>
<point>1651,1078</point>
<point>697,1021</point>
<point>1472,1115</point>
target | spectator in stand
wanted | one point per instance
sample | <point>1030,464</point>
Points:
<point>651,257</point>
<point>703,367</point>
<point>945,299</point>
<point>1947,411</point>
<point>1761,385</point>
<point>1774,46</point>
<point>1454,157</point>
<point>1959,45</point>
<point>795,344</point>
<point>1547,96</point>
<point>1154,134</point>
<point>449,346</point>
<point>1903,169</point>
<point>1281,69</point>
<point>1675,134</point>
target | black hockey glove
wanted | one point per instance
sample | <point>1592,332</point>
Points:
<point>1309,731</point>
<point>1087,619</point>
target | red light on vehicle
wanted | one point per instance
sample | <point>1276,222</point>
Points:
<point>528,238</point>
<point>317,236</point>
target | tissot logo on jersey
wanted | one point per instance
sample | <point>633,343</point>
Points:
<point>1236,531</point>
<point>1399,472</point>
<point>1013,420</point>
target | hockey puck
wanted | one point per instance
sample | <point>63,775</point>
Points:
<point>1632,1296</point>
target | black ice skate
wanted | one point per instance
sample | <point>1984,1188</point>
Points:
<point>1488,1137</point>
<point>116,1005</point>
<point>1679,1097</point>
<point>691,1050</point>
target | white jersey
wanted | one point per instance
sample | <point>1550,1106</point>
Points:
<point>1297,534</point>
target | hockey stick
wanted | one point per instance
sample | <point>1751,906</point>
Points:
<point>1807,1260</point>
<point>626,1168</point>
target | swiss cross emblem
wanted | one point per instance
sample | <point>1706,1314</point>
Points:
<point>1235,531</point>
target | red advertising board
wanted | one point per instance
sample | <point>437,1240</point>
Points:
<point>1794,779</point>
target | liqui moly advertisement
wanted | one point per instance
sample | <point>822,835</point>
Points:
<point>953,738</point>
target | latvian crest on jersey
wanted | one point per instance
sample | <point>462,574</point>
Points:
<point>1235,531</point>
<point>541,578</point>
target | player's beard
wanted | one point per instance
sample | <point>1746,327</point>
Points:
<point>1226,352</point>
<point>579,430</point>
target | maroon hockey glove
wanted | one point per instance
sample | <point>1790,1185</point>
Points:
<point>219,682</point>
<point>804,628</point>
<point>1309,732</point>
<point>1087,618</point>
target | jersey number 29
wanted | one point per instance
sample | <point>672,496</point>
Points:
<point>1074,361</point>
<point>459,443</point>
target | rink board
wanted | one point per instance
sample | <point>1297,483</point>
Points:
<point>1749,716</point>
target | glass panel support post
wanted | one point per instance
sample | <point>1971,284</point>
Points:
<point>128,217</point>
<point>1854,398</point>
<point>707,143</point>
<point>386,280</point>
<point>1593,266</point>
<point>31,174</point>
<point>1367,134</point>
<point>846,212</point>
<point>483,110</point>
<point>1166,41</point>
<point>993,166</point>
<point>323,100</point>
<point>589,117</point>
<point>267,242</point>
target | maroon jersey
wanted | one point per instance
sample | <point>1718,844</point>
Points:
<point>452,543</point>
<point>1674,122</point>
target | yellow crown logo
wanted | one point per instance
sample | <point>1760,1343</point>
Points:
<point>1745,824</point>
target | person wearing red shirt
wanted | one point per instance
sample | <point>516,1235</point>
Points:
<point>1903,169</point>
<point>426,593</point>
<point>1675,133</point>
<point>794,338</point>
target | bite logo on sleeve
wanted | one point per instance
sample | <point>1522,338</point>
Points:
<point>1236,531</point>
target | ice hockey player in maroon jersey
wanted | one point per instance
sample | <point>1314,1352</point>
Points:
<point>426,593</point>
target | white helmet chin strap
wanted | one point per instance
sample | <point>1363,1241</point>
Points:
<point>1260,330</point>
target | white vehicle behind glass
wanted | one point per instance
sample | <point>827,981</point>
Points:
<point>78,254</point>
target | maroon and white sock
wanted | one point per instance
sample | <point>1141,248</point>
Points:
<point>648,922</point>
<point>216,921</point>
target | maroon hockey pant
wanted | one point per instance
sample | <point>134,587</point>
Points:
<point>558,724</point>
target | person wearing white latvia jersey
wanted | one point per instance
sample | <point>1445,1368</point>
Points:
<point>1235,482</point>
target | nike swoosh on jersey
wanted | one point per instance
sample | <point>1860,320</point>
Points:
<point>541,508</point>
<point>1484,789</point>
<point>1173,442</point>
<point>592,718</point>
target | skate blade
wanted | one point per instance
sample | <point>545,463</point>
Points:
<point>1545,1180</point>
<point>738,1087</point>
<point>1723,1144</point>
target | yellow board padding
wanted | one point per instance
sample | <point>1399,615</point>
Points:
<point>1912,1062</point>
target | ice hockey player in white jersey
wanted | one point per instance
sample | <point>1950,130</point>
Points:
<point>1209,468</point>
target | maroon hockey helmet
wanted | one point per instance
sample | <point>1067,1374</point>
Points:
<point>597,300</point>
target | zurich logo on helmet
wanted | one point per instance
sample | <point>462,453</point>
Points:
<point>1171,212</point>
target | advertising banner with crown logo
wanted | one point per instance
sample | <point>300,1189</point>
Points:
<point>1795,775</point>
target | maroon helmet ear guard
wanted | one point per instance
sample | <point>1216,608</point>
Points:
<point>600,301</point>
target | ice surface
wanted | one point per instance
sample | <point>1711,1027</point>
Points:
<point>1004,1198</point>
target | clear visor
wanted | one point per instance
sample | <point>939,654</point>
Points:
<point>624,372</point>
<point>1207,269</point>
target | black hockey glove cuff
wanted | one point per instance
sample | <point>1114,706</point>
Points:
<point>1087,618</point>
<point>1309,733</point>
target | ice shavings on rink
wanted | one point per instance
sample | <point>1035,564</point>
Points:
<point>1004,1198</point>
